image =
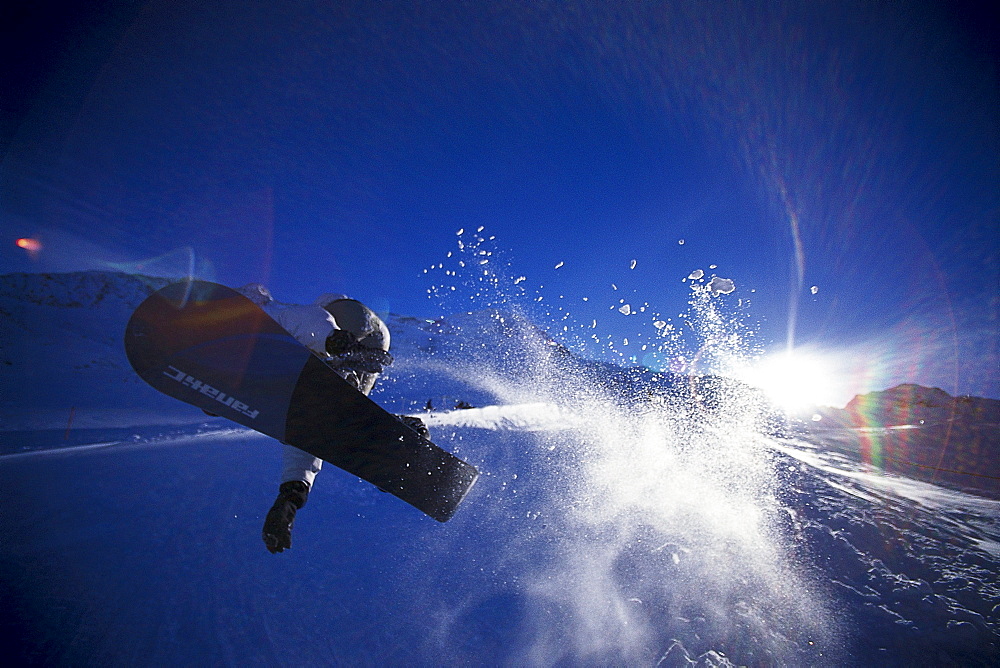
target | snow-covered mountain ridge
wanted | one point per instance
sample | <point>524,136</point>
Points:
<point>85,289</point>
<point>909,404</point>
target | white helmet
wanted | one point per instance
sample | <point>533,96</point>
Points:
<point>329,297</point>
<point>356,318</point>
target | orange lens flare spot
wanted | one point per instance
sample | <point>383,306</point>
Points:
<point>30,245</point>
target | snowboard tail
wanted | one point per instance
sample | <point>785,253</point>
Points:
<point>209,346</point>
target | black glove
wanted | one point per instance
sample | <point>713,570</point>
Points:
<point>277,532</point>
<point>346,352</point>
<point>416,424</point>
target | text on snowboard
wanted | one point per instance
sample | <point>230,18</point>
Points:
<point>209,391</point>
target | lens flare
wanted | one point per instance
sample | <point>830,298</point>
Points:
<point>33,246</point>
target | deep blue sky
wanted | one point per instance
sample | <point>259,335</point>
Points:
<point>341,146</point>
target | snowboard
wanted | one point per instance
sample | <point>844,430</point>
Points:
<point>209,346</point>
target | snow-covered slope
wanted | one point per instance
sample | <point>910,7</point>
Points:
<point>620,518</point>
<point>61,349</point>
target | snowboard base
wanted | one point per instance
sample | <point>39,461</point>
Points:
<point>209,346</point>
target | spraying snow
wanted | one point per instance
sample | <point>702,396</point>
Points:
<point>660,507</point>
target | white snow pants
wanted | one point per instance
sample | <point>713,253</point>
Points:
<point>299,465</point>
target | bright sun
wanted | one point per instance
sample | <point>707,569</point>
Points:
<point>794,380</point>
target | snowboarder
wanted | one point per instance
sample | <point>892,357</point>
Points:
<point>355,342</point>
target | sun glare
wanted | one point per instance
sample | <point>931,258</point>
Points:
<point>794,380</point>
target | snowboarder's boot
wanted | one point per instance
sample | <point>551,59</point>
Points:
<point>277,531</point>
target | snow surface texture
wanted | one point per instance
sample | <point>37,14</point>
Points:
<point>623,518</point>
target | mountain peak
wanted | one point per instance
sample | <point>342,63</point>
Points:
<point>907,394</point>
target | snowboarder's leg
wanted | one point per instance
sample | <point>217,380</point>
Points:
<point>298,472</point>
<point>277,531</point>
<point>299,465</point>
